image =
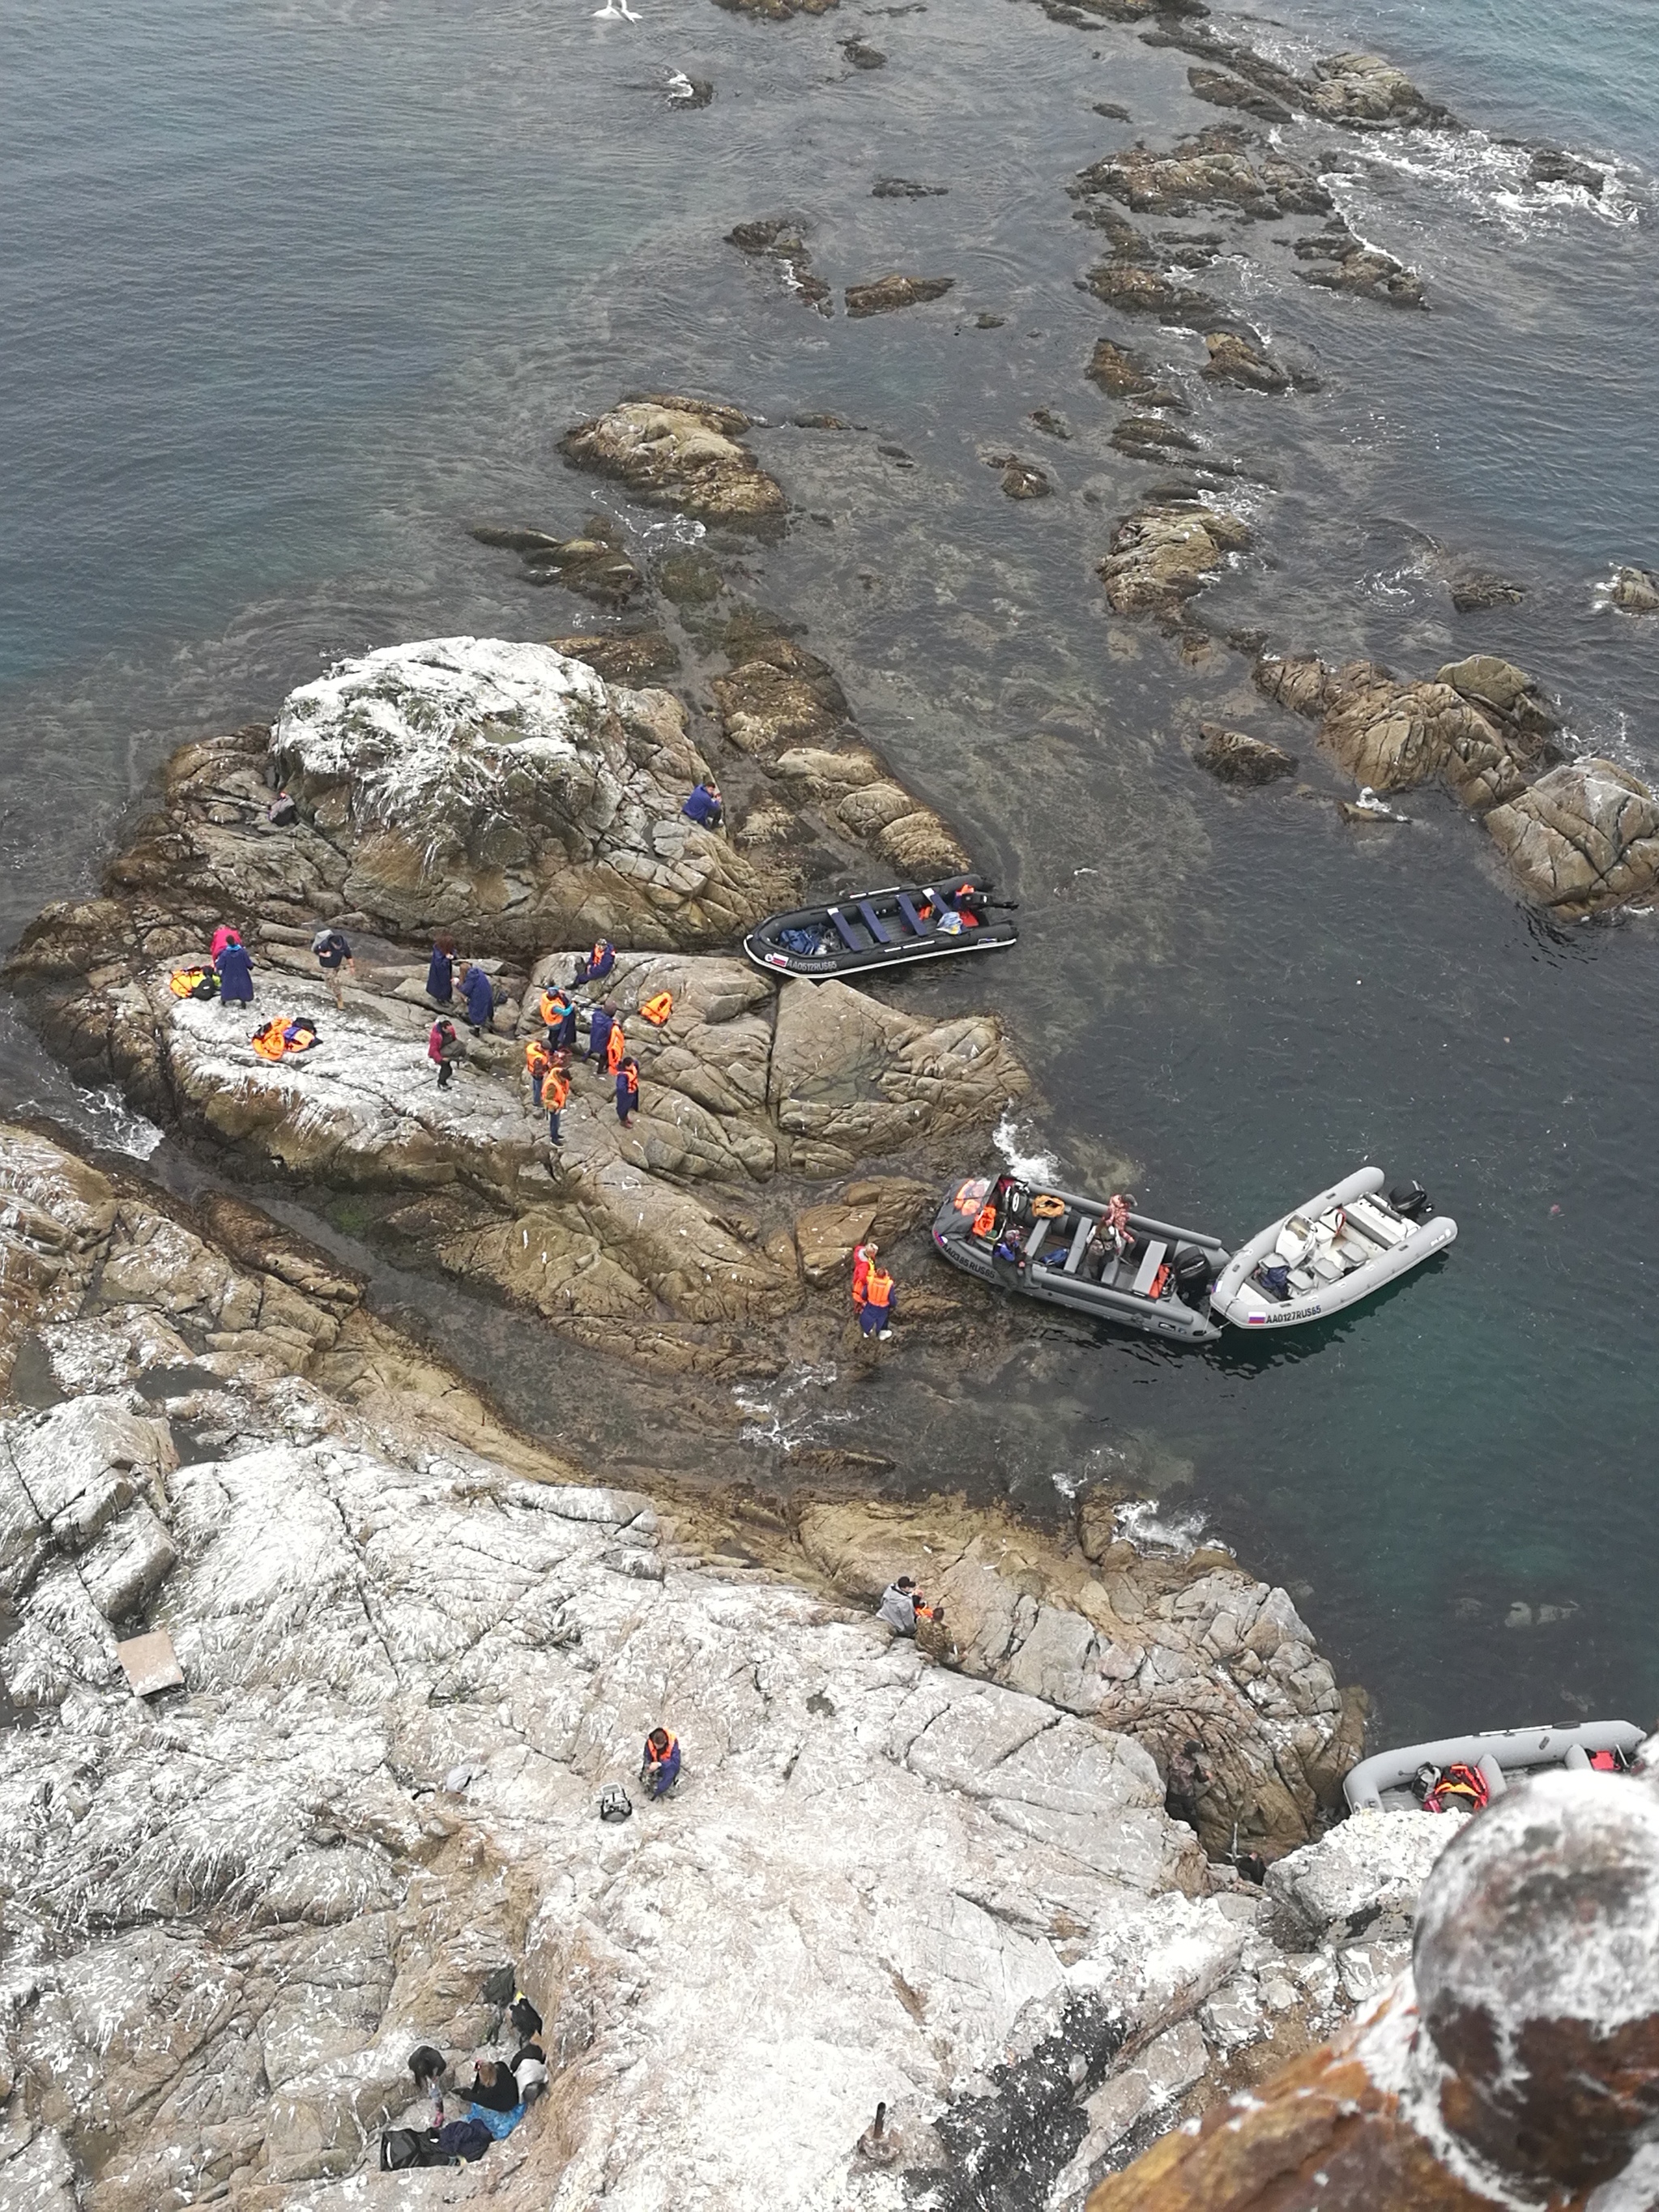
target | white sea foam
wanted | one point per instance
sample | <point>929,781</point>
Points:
<point>1160,1535</point>
<point>104,1116</point>
<point>1012,1140</point>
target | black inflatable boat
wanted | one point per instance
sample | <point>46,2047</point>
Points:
<point>1062,1249</point>
<point>882,929</point>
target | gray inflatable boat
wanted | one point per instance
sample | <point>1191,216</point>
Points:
<point>1327,1255</point>
<point>1048,1245</point>
<point>1383,1782</point>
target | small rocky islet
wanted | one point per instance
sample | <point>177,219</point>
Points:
<point>208,1431</point>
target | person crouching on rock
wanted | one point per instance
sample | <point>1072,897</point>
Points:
<point>478,996</point>
<point>705,807</point>
<point>555,1096</point>
<point>443,1049</point>
<point>628,1091</point>
<point>441,975</point>
<point>903,1606</point>
<point>876,1314</point>
<point>659,1770</point>
<point>598,965</point>
<point>235,972</point>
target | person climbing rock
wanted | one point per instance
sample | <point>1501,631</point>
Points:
<point>235,972</point>
<point>333,954</point>
<point>659,1770</point>
<point>479,997</point>
<point>597,964</point>
<point>441,971</point>
<point>443,1049</point>
<point>863,1259</point>
<point>556,1093</point>
<point>705,807</point>
<point>628,1091</point>
<point>876,1314</point>
<point>1185,1783</point>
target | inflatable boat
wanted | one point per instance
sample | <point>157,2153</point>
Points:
<point>882,929</point>
<point>1504,1756</point>
<point>1337,1249</point>
<point>1060,1248</point>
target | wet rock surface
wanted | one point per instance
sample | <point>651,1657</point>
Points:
<point>1581,839</point>
<point>1218,167</point>
<point>416,1646</point>
<point>1635,592</point>
<point>1338,261</point>
<point>1235,757</point>
<point>596,563</point>
<point>1164,553</point>
<point>885,295</point>
<point>1122,374</point>
<point>1367,93</point>
<point>679,452</point>
<point>782,240</point>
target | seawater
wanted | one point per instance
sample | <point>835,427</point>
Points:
<point>290,294</point>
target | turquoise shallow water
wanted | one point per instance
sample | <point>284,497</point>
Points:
<point>291,292</point>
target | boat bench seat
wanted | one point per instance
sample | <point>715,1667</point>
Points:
<point>1074,1257</point>
<point>844,930</point>
<point>872,922</point>
<point>1151,1260</point>
<point>906,908</point>
<point>1328,1267</point>
<point>1382,1228</point>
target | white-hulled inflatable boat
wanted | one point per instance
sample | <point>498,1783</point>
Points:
<point>1337,1249</point>
<point>1383,1782</point>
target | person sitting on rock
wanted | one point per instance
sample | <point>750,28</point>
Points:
<point>281,813</point>
<point>628,1091</point>
<point>494,2086</point>
<point>443,1049</point>
<point>659,1770</point>
<point>440,974</point>
<point>903,1606</point>
<point>705,806</point>
<point>235,972</point>
<point>478,996</point>
<point>598,965</point>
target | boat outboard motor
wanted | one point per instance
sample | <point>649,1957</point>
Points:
<point>1016,1204</point>
<point>1411,1199</point>
<point>1192,1276</point>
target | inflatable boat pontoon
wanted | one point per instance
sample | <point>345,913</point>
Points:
<point>1044,1244</point>
<point>1383,1782</point>
<point>882,929</point>
<point>1337,1249</point>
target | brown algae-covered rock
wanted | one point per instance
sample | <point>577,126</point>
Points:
<point>679,452</point>
<point>1367,93</point>
<point>1164,553</point>
<point>1583,838</point>
<point>884,295</point>
<point>1234,757</point>
<point>1634,592</point>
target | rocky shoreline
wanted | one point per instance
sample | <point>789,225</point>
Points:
<point>414,1646</point>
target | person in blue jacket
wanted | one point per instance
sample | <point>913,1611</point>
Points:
<point>603,1020</point>
<point>705,806</point>
<point>628,1091</point>
<point>478,996</point>
<point>236,973</point>
<point>441,975</point>
<point>659,1770</point>
<point>599,963</point>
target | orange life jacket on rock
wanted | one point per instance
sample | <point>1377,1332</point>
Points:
<point>657,1008</point>
<point>1461,1786</point>
<point>270,1043</point>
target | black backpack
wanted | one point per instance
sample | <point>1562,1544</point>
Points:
<point>405,2147</point>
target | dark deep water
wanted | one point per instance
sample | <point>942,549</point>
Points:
<point>290,294</point>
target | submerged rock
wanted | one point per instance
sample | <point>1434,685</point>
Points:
<point>631,657</point>
<point>782,240</point>
<point>1583,839</point>
<point>1550,166</point>
<point>1020,479</point>
<point>1215,169</point>
<point>862,55</point>
<point>884,295</point>
<point>1235,359</point>
<point>1338,261</point>
<point>679,452</point>
<point>1125,374</point>
<point>1223,90</point>
<point>595,564</point>
<point>1234,757</point>
<point>1164,553</point>
<point>1474,590</point>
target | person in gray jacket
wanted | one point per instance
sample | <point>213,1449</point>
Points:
<point>903,1606</point>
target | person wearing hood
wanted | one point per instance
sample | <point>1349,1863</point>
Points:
<point>235,972</point>
<point>477,995</point>
<point>441,975</point>
<point>903,1606</point>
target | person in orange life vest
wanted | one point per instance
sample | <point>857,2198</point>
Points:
<point>537,1059</point>
<point>876,1314</point>
<point>599,963</point>
<point>615,1048</point>
<point>556,1093</point>
<point>560,1016</point>
<point>443,1049</point>
<point>628,1091</point>
<point>598,1032</point>
<point>863,1258</point>
<point>659,1770</point>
